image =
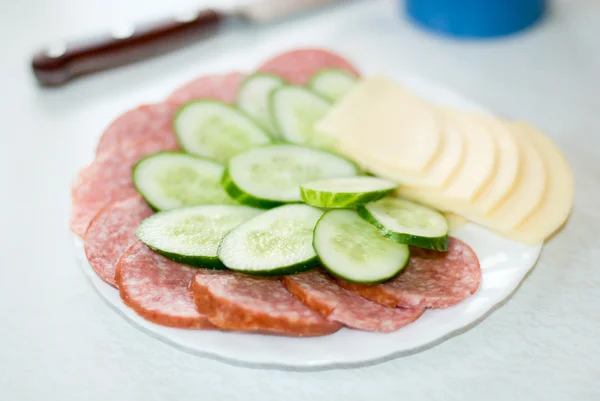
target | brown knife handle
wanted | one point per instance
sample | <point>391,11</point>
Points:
<point>58,64</point>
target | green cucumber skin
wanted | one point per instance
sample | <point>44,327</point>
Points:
<point>281,271</point>
<point>176,152</point>
<point>275,134</point>
<point>243,198</point>
<point>313,198</point>
<point>432,243</point>
<point>204,262</point>
<point>337,274</point>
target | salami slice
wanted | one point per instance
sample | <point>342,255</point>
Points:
<point>319,291</point>
<point>297,66</point>
<point>218,87</point>
<point>158,288</point>
<point>143,126</point>
<point>111,232</point>
<point>239,302</point>
<point>106,180</point>
<point>431,279</point>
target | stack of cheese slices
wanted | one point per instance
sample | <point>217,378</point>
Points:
<point>503,175</point>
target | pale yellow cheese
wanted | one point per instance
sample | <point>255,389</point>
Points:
<point>442,169</point>
<point>528,192</point>
<point>479,162</point>
<point>507,167</point>
<point>474,173</point>
<point>558,196</point>
<point>388,122</point>
<point>524,199</point>
<point>455,221</point>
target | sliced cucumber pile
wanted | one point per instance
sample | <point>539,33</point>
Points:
<point>407,223</point>
<point>277,242</point>
<point>216,130</point>
<point>345,192</point>
<point>332,83</point>
<point>354,250</point>
<point>253,98</point>
<point>271,175</point>
<point>170,180</point>
<point>192,235</point>
<point>294,112</point>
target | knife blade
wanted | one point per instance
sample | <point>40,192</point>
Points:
<point>61,62</point>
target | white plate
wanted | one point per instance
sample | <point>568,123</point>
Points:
<point>504,264</point>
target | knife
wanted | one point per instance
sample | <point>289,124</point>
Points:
<point>61,62</point>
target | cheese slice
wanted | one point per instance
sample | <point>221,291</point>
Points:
<point>455,222</point>
<point>441,171</point>
<point>528,192</point>
<point>505,174</point>
<point>474,174</point>
<point>388,123</point>
<point>559,193</point>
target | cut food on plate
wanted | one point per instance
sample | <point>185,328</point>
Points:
<point>320,292</point>
<point>407,223</point>
<point>442,170</point>
<point>158,288</point>
<point>192,235</point>
<point>254,98</point>
<point>111,232</point>
<point>222,87</point>
<point>387,122</point>
<point>271,175</point>
<point>332,83</point>
<point>345,192</point>
<point>351,248</point>
<point>431,279</point>
<point>558,195</point>
<point>504,177</point>
<point>106,180</point>
<point>294,112</point>
<point>277,242</point>
<point>170,180</point>
<point>216,130</point>
<point>235,301</point>
<point>152,123</point>
<point>298,66</point>
<point>376,260</point>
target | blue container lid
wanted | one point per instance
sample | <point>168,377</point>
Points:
<point>476,18</point>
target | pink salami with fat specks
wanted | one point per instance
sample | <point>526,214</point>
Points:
<point>158,288</point>
<point>431,279</point>
<point>239,302</point>
<point>298,66</point>
<point>319,291</point>
<point>223,87</point>
<point>149,126</point>
<point>111,232</point>
<point>107,179</point>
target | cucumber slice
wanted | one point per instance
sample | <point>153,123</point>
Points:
<point>278,242</point>
<point>192,235</point>
<point>332,83</point>
<point>407,223</point>
<point>345,192</point>
<point>294,112</point>
<point>170,180</point>
<point>253,98</point>
<point>217,130</point>
<point>354,250</point>
<point>271,175</point>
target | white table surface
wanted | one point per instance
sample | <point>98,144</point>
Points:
<point>59,340</point>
